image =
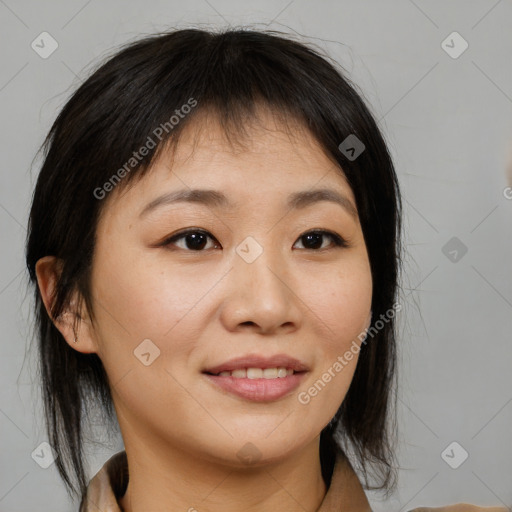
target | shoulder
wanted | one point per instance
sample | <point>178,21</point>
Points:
<point>461,507</point>
<point>107,486</point>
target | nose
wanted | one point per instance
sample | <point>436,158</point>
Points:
<point>260,296</point>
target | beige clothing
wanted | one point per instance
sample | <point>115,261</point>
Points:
<point>345,491</point>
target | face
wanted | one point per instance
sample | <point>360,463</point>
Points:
<point>256,276</point>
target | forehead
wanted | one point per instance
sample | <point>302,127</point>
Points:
<point>265,156</point>
<point>264,136</point>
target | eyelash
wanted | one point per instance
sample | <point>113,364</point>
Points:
<point>338,241</point>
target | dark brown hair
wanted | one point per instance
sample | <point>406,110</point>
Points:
<point>112,114</point>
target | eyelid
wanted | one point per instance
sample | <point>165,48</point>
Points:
<point>181,234</point>
<point>338,240</point>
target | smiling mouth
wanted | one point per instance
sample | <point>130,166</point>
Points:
<point>257,384</point>
<point>256,373</point>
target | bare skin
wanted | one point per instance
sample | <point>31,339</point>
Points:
<point>200,308</point>
<point>182,434</point>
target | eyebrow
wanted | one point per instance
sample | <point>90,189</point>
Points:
<point>216,199</point>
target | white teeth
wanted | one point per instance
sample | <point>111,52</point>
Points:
<point>271,373</point>
<point>258,373</point>
<point>254,373</point>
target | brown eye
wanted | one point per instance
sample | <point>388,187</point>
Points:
<point>313,240</point>
<point>197,240</point>
<point>193,240</point>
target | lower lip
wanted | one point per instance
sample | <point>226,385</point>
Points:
<point>258,390</point>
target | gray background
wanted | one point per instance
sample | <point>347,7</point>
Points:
<point>448,123</point>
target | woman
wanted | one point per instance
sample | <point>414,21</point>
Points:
<point>214,244</point>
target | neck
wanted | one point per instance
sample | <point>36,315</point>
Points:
<point>160,480</point>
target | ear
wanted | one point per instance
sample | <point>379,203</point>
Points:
<point>70,322</point>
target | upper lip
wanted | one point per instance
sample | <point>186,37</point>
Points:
<point>255,361</point>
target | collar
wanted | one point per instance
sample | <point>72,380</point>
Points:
<point>110,482</point>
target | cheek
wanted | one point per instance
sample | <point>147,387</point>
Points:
<point>326,388</point>
<point>341,302</point>
<point>146,301</point>
<point>142,300</point>
<point>137,302</point>
<point>325,391</point>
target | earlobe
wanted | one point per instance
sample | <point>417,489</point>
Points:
<point>69,322</point>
